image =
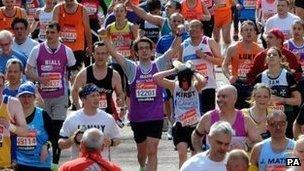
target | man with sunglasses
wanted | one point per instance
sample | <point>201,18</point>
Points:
<point>47,65</point>
<point>271,153</point>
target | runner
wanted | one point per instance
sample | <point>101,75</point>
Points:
<point>105,78</point>
<point>186,107</point>
<point>240,56</point>
<point>244,128</point>
<point>204,53</point>
<point>276,148</point>
<point>8,13</point>
<point>88,117</point>
<point>40,134</point>
<point>285,95</point>
<point>145,96</point>
<point>13,73</point>
<point>260,102</point>
<point>48,65</point>
<point>195,9</point>
<point>12,122</point>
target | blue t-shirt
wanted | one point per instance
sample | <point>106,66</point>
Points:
<point>165,42</point>
<point>14,54</point>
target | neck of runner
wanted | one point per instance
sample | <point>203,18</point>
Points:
<point>20,41</point>
<point>15,84</point>
<point>89,110</point>
<point>282,16</point>
<point>196,40</point>
<point>28,111</point>
<point>53,45</point>
<point>259,113</point>
<point>274,71</point>
<point>212,155</point>
<point>299,41</point>
<point>144,62</point>
<point>278,141</point>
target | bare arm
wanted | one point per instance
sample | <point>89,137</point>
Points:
<point>117,85</point>
<point>34,25</point>
<point>216,51</point>
<point>65,143</point>
<point>16,111</point>
<point>153,19</point>
<point>200,132</point>
<point>31,73</point>
<point>134,30</point>
<point>23,14</point>
<point>56,13</point>
<point>113,52</point>
<point>254,157</point>
<point>80,81</point>
<point>226,63</point>
<point>87,29</point>
<point>200,81</point>
<point>253,135</point>
<point>206,16</point>
<point>160,79</point>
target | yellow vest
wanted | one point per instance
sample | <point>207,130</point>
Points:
<point>5,141</point>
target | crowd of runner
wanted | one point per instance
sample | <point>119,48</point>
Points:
<point>152,64</point>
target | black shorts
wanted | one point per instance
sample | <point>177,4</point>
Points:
<point>80,57</point>
<point>299,3</point>
<point>182,134</point>
<point>142,130</point>
<point>207,100</point>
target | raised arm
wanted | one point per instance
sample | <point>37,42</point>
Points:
<point>113,52</point>
<point>161,80</point>
<point>153,19</point>
<point>200,82</point>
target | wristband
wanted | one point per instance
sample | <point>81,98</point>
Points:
<point>12,128</point>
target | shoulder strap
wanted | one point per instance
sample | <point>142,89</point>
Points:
<point>5,99</point>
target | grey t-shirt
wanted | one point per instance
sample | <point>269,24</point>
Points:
<point>130,66</point>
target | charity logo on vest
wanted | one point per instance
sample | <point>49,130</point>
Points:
<point>293,162</point>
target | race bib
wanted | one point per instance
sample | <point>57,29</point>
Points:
<point>276,168</point>
<point>91,8</point>
<point>278,106</point>
<point>27,143</point>
<point>243,70</point>
<point>146,90</point>
<point>54,81</point>
<point>68,33</point>
<point>250,4</point>
<point>202,69</point>
<point>103,104</point>
<point>189,118</point>
<point>220,3</point>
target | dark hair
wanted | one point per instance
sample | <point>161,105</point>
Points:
<point>153,5</point>
<point>19,20</point>
<point>142,39</point>
<point>177,4</point>
<point>185,75</point>
<point>53,24</point>
<point>87,90</point>
<point>251,23</point>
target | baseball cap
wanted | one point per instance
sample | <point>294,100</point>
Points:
<point>26,88</point>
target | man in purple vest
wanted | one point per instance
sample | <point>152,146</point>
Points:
<point>47,65</point>
<point>146,103</point>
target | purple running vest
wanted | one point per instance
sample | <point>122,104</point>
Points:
<point>238,125</point>
<point>52,66</point>
<point>297,51</point>
<point>146,102</point>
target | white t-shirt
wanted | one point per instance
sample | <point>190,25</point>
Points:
<point>101,120</point>
<point>202,162</point>
<point>26,47</point>
<point>283,24</point>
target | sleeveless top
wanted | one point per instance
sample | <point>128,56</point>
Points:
<point>280,87</point>
<point>92,8</point>
<point>31,6</point>
<point>247,112</point>
<point>186,105</point>
<point>53,66</point>
<point>222,5</point>
<point>122,39</point>
<point>203,66</point>
<point>298,51</point>
<point>44,19</point>
<point>243,61</point>
<point>192,13</point>
<point>268,9</point>
<point>106,102</point>
<point>270,160</point>
<point>5,141</point>
<point>5,21</point>
<point>72,28</point>
<point>248,10</point>
<point>29,148</point>
<point>146,102</point>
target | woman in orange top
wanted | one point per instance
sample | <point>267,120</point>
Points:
<point>8,13</point>
<point>195,9</point>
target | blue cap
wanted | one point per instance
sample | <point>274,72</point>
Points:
<point>26,88</point>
